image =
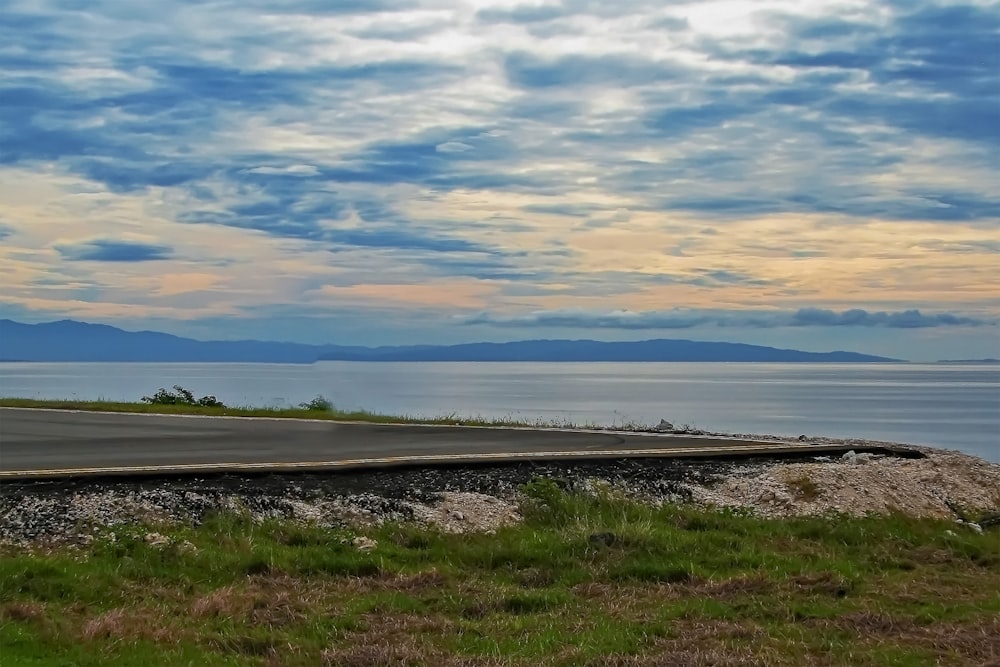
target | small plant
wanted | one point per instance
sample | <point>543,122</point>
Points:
<point>318,404</point>
<point>181,396</point>
<point>210,402</point>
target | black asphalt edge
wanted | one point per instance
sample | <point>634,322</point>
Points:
<point>734,452</point>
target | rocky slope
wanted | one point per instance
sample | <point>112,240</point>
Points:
<point>940,484</point>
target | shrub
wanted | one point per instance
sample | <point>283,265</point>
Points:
<point>181,396</point>
<point>318,404</point>
<point>210,402</point>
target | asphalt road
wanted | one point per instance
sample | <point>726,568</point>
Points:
<point>82,442</point>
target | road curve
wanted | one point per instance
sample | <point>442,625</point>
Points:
<point>57,442</point>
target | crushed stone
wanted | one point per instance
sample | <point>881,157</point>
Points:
<point>943,484</point>
<point>462,512</point>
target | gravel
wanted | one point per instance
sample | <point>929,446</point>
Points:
<point>486,497</point>
<point>943,484</point>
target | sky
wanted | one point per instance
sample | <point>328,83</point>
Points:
<point>820,175</point>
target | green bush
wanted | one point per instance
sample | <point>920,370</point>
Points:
<point>318,404</point>
<point>181,396</point>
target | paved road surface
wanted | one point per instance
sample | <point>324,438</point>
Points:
<point>35,440</point>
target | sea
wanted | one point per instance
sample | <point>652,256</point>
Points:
<point>956,406</point>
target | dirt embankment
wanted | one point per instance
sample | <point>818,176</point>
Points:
<point>942,484</point>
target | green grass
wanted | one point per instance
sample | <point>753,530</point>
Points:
<point>583,580</point>
<point>289,413</point>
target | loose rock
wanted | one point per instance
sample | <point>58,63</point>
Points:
<point>156,540</point>
<point>364,543</point>
<point>485,499</point>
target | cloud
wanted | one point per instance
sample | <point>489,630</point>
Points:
<point>588,320</point>
<point>111,250</point>
<point>447,293</point>
<point>568,154</point>
<point>532,72</point>
<point>152,116</point>
<point>289,170</point>
<point>522,14</point>
<point>856,317</point>
<point>452,147</point>
<point>399,238</point>
<point>933,69</point>
<point>806,317</point>
<point>970,246</point>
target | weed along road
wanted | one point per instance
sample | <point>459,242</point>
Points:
<point>47,443</point>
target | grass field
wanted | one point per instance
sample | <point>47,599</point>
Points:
<point>584,580</point>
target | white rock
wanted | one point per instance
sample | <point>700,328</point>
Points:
<point>362,543</point>
<point>156,540</point>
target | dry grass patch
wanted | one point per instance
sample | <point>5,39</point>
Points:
<point>409,583</point>
<point>729,589</point>
<point>391,639</point>
<point>227,602</point>
<point>974,642</point>
<point>248,645</point>
<point>131,624</point>
<point>821,583</point>
<point>701,643</point>
<point>263,601</point>
<point>625,599</point>
<point>913,592</point>
<point>386,654</point>
<point>383,653</point>
<point>22,610</point>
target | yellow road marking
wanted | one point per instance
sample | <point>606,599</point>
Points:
<point>403,460</point>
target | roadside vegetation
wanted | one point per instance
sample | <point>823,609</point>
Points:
<point>181,396</point>
<point>585,579</point>
<point>182,401</point>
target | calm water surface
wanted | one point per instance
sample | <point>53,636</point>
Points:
<point>955,406</point>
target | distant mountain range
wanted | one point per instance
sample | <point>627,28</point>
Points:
<point>68,340</point>
<point>590,350</point>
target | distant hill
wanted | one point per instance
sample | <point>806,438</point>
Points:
<point>68,340</point>
<point>590,350</point>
